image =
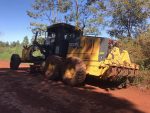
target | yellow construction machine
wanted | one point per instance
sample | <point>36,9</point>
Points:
<point>71,57</point>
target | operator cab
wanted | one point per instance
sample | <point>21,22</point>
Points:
<point>60,36</point>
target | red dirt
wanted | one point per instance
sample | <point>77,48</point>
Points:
<point>22,92</point>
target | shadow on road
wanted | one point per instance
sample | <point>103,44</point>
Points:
<point>104,84</point>
<point>21,93</point>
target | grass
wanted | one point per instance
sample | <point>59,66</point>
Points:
<point>143,80</point>
<point>6,52</point>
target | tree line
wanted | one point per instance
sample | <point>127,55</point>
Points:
<point>26,41</point>
<point>15,43</point>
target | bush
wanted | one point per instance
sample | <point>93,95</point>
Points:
<point>143,80</point>
<point>139,51</point>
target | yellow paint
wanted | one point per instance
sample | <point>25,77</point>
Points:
<point>89,51</point>
<point>69,73</point>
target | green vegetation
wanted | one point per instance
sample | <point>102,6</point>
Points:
<point>128,17</point>
<point>86,14</point>
<point>7,49</point>
<point>143,80</point>
<point>6,52</point>
<point>139,51</point>
<point>124,18</point>
<point>25,41</point>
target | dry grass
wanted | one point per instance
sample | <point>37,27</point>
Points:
<point>139,51</point>
<point>143,80</point>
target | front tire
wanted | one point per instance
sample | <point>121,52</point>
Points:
<point>15,61</point>
<point>52,69</point>
<point>75,71</point>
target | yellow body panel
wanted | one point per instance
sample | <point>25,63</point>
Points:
<point>93,68</point>
<point>89,51</point>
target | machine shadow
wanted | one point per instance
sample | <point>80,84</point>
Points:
<point>8,71</point>
<point>104,84</point>
<point>60,97</point>
<point>90,80</point>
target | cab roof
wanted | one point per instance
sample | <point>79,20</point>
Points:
<point>65,26</point>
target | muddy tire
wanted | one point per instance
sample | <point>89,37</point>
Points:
<point>15,61</point>
<point>52,68</point>
<point>74,72</point>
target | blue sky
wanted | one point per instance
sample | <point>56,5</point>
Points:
<point>14,22</point>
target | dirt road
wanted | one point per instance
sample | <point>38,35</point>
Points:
<point>22,92</point>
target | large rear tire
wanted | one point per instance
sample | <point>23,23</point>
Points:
<point>15,61</point>
<point>74,72</point>
<point>52,69</point>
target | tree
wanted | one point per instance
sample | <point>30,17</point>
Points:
<point>50,11</point>
<point>82,13</point>
<point>86,14</point>
<point>17,43</point>
<point>144,40</point>
<point>7,44</point>
<point>40,39</point>
<point>13,44</point>
<point>4,44</point>
<point>128,17</point>
<point>25,41</point>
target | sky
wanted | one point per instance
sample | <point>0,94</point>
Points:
<point>14,21</point>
